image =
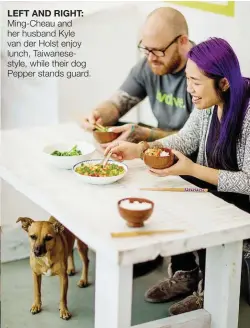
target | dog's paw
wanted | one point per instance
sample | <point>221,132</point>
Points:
<point>36,308</point>
<point>82,283</point>
<point>71,272</point>
<point>65,314</point>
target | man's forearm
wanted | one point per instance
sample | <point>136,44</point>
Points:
<point>157,133</point>
<point>118,105</point>
<point>124,102</point>
<point>140,133</point>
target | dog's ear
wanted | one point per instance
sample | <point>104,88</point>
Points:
<point>26,222</point>
<point>52,219</point>
<point>58,227</point>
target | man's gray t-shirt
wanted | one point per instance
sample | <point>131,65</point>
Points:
<point>170,102</point>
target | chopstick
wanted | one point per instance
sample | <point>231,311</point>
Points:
<point>99,127</point>
<point>142,233</point>
<point>189,189</point>
<point>106,158</point>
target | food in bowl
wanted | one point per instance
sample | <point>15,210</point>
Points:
<point>90,172</point>
<point>158,158</point>
<point>65,155</point>
<point>97,170</point>
<point>135,210</point>
<point>138,206</point>
<point>102,129</point>
<point>72,152</point>
<point>158,152</point>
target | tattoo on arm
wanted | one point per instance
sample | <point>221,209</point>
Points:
<point>137,134</point>
<point>124,102</point>
<point>157,133</point>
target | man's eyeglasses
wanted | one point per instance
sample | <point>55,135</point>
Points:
<point>156,52</point>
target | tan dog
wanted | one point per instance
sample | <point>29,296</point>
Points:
<point>52,255</point>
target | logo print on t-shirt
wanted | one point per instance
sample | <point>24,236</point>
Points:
<point>170,100</point>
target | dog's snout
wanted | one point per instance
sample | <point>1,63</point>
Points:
<point>39,250</point>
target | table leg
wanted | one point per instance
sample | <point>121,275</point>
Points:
<point>222,285</point>
<point>113,294</point>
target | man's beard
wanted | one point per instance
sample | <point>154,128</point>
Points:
<point>170,68</point>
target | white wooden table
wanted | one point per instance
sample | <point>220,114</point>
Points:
<point>91,213</point>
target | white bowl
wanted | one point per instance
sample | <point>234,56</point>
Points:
<point>100,180</point>
<point>67,162</point>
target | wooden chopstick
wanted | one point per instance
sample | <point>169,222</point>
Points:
<point>136,233</point>
<point>189,189</point>
<point>106,158</point>
<point>99,127</point>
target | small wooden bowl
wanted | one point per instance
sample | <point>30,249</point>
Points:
<point>135,218</point>
<point>105,137</point>
<point>156,162</point>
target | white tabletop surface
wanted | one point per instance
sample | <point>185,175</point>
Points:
<point>90,211</point>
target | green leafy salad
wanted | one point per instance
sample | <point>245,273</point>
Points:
<point>72,152</point>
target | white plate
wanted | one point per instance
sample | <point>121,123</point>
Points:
<point>100,180</point>
<point>67,162</point>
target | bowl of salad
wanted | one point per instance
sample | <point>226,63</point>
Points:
<point>93,172</point>
<point>66,155</point>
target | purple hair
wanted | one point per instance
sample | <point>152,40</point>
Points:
<point>217,60</point>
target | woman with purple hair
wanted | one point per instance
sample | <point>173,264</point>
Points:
<point>219,129</point>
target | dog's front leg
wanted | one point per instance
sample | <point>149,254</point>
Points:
<point>37,305</point>
<point>64,313</point>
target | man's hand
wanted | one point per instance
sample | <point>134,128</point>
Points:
<point>184,166</point>
<point>123,150</point>
<point>129,132</point>
<point>105,114</point>
<point>108,112</point>
<point>89,122</point>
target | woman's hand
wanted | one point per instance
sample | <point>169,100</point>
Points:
<point>184,166</point>
<point>123,150</point>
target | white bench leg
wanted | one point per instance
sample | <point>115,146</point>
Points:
<point>113,294</point>
<point>222,285</point>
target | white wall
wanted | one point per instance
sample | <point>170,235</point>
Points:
<point>106,28</point>
<point>109,50</point>
<point>24,102</point>
<point>34,102</point>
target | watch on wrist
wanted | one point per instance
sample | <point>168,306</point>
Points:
<point>144,146</point>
